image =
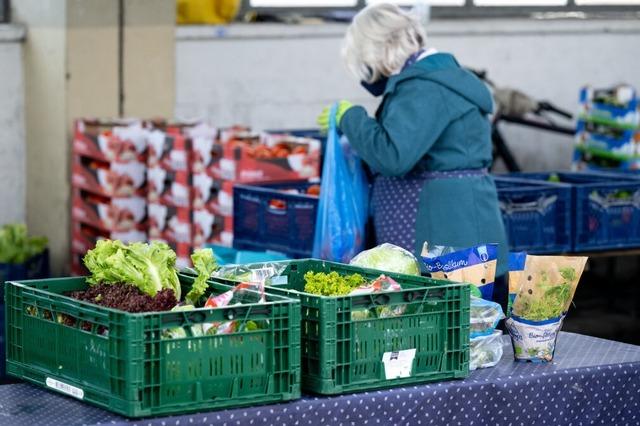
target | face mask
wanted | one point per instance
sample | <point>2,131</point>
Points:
<point>377,87</point>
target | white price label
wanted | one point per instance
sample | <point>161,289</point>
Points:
<point>279,280</point>
<point>65,388</point>
<point>398,364</point>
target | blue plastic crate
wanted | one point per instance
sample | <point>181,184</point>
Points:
<point>230,256</point>
<point>606,208</point>
<point>537,216</point>
<point>267,218</point>
<point>35,268</point>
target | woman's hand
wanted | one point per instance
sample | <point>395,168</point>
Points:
<point>323,118</point>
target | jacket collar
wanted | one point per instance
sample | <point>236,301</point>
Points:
<point>429,64</point>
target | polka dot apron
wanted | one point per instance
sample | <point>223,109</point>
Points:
<point>395,201</point>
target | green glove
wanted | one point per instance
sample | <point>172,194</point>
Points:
<point>323,118</point>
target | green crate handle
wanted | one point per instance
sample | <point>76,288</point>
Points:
<point>412,296</point>
<point>182,318</point>
<point>235,312</point>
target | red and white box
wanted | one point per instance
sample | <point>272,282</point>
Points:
<point>206,149</point>
<point>171,188</point>
<point>224,238</point>
<point>208,226</point>
<point>213,194</point>
<point>109,213</point>
<point>84,237</point>
<point>169,223</point>
<point>267,158</point>
<point>120,141</point>
<point>111,179</point>
<point>170,151</point>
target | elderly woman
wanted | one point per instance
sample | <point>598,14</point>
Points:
<point>429,144</point>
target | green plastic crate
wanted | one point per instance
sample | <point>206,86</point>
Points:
<point>341,355</point>
<point>133,370</point>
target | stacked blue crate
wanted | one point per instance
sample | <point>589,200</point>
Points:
<point>608,129</point>
<point>605,208</point>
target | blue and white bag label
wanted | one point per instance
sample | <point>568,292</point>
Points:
<point>475,265</point>
<point>533,341</point>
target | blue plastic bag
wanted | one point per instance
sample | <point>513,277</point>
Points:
<point>344,200</point>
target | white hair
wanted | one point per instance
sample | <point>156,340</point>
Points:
<point>380,40</point>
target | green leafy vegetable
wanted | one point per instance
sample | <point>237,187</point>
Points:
<point>550,305</point>
<point>554,299</point>
<point>331,284</point>
<point>204,263</point>
<point>181,332</point>
<point>389,258</point>
<point>16,246</point>
<point>546,286</point>
<point>149,267</point>
<point>553,177</point>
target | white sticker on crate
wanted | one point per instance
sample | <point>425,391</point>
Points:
<point>398,364</point>
<point>65,388</point>
<point>280,280</point>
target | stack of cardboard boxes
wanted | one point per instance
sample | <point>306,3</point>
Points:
<point>173,168</point>
<point>173,182</point>
<point>108,180</point>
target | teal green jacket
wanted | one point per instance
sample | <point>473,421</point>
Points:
<point>433,117</point>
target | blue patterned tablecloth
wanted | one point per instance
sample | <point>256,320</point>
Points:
<point>591,381</point>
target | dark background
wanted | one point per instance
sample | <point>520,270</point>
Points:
<point>606,300</point>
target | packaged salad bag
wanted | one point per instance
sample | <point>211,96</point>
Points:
<point>474,265</point>
<point>545,291</point>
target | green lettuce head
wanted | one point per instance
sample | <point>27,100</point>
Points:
<point>149,267</point>
<point>388,258</point>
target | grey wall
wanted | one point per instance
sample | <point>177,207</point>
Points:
<point>12,142</point>
<point>281,76</point>
<point>274,76</point>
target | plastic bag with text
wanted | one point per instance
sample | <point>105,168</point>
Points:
<point>343,205</point>
<point>474,265</point>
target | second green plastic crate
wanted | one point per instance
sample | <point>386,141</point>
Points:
<point>123,363</point>
<point>341,354</point>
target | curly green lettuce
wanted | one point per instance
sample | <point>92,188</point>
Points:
<point>204,263</point>
<point>331,284</point>
<point>149,267</point>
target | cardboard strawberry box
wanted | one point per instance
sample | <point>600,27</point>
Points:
<point>169,150</point>
<point>266,158</point>
<point>208,226</point>
<point>84,237</point>
<point>224,238</point>
<point>171,188</point>
<point>213,194</point>
<point>170,223</point>
<point>109,213</point>
<point>108,140</point>
<point>109,178</point>
<point>206,153</point>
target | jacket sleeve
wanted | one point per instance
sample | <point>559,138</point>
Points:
<point>411,122</point>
